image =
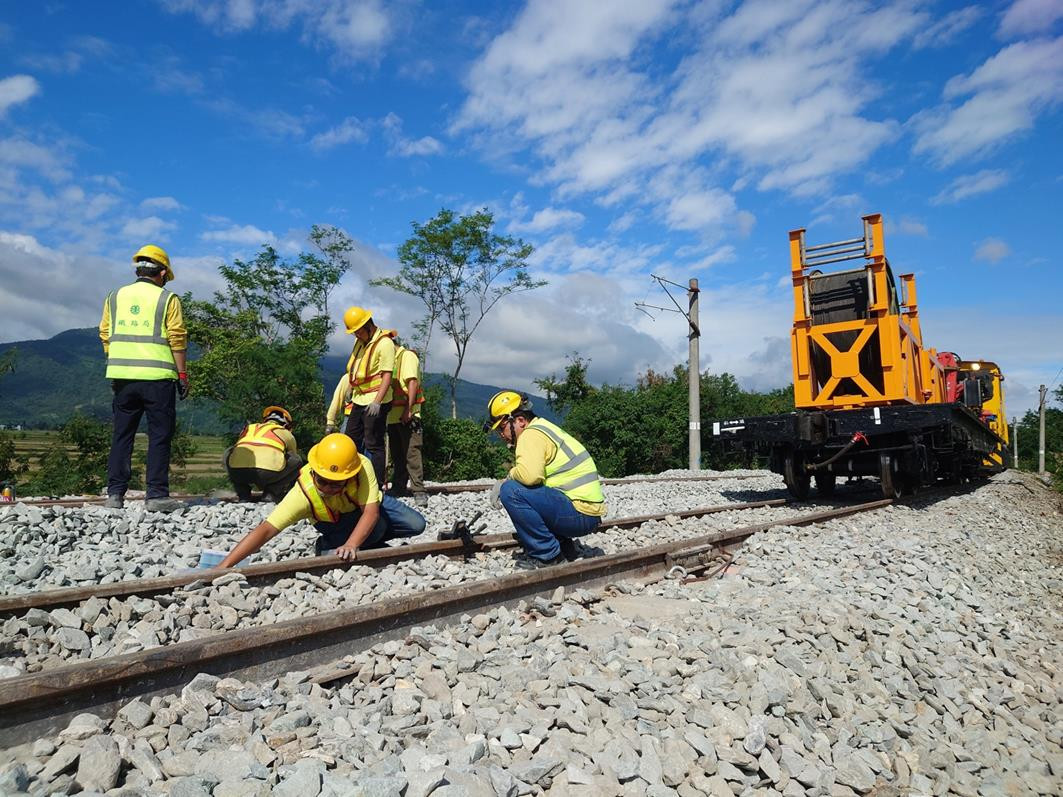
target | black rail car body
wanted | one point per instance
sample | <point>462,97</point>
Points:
<point>903,446</point>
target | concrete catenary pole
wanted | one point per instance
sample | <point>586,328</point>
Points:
<point>1041,441</point>
<point>694,374</point>
<point>1015,439</point>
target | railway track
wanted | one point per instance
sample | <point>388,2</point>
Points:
<point>40,703</point>
<point>433,489</point>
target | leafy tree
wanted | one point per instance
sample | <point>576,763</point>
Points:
<point>456,449</point>
<point>7,361</point>
<point>59,473</point>
<point>561,395</point>
<point>8,468</point>
<point>460,269</point>
<point>262,336</point>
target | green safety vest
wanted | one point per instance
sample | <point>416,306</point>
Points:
<point>137,347</point>
<point>572,470</point>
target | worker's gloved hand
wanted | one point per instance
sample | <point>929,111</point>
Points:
<point>330,428</point>
<point>182,386</point>
<point>373,409</point>
<point>496,495</point>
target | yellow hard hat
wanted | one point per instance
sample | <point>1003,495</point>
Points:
<point>355,318</point>
<point>335,458</point>
<point>277,412</point>
<point>157,255</point>
<point>502,405</point>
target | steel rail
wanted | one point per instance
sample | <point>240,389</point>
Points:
<point>42,703</point>
<point>432,489</point>
<point>267,572</point>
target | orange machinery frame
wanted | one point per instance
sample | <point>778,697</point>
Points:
<point>910,374</point>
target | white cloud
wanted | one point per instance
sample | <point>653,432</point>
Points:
<point>969,185</point>
<point>406,147</point>
<point>1005,95</point>
<point>161,203</point>
<point>149,228</point>
<point>910,226</point>
<point>549,219</point>
<point>20,153</point>
<point>245,235</point>
<point>992,250</point>
<point>350,129</point>
<point>1030,17</point>
<point>946,29</point>
<point>17,89</point>
<point>354,28</point>
<point>70,60</point>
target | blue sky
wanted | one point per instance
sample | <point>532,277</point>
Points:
<point>679,138</point>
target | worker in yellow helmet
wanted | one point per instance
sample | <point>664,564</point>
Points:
<point>338,491</point>
<point>553,492</point>
<point>265,455</point>
<point>369,370</point>
<point>405,435</point>
<point>144,338</point>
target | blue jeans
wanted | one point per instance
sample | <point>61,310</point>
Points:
<point>542,514</point>
<point>396,520</point>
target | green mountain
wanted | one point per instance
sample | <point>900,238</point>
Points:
<point>64,374</point>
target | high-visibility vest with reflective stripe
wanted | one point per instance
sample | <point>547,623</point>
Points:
<point>572,470</point>
<point>362,382</point>
<point>137,347</point>
<point>262,434</point>
<point>398,388</point>
<point>321,511</point>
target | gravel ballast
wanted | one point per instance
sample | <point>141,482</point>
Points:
<point>913,650</point>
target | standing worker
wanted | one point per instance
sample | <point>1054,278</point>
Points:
<point>553,492</point>
<point>338,491</point>
<point>265,455</point>
<point>369,372</point>
<point>144,338</point>
<point>339,409</point>
<point>405,435</point>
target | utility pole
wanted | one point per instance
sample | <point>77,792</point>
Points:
<point>694,377</point>
<point>1041,442</point>
<point>1015,439</point>
<point>693,363</point>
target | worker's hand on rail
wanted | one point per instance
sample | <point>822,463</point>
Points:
<point>496,495</point>
<point>373,409</point>
<point>347,552</point>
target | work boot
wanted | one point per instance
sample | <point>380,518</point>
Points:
<point>163,504</point>
<point>421,499</point>
<point>531,563</point>
<point>114,502</point>
<point>570,549</point>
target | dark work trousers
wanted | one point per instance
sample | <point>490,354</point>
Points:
<point>396,520</point>
<point>274,483</point>
<point>368,434</point>
<point>132,399</point>
<point>406,440</point>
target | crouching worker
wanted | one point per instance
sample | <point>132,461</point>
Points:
<point>337,489</point>
<point>553,492</point>
<point>265,456</point>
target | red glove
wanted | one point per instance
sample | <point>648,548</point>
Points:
<point>182,385</point>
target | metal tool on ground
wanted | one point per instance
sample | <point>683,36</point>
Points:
<point>464,531</point>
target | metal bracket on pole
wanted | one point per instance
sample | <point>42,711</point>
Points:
<point>693,360</point>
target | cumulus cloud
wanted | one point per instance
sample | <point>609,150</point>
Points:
<point>1030,16</point>
<point>969,185</point>
<point>997,101</point>
<point>150,227</point>
<point>350,129</point>
<point>17,89</point>
<point>354,29</point>
<point>548,219</point>
<point>163,203</point>
<point>241,235</point>
<point>992,250</point>
<point>909,226</point>
<point>405,147</point>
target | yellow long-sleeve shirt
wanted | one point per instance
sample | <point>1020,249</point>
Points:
<point>532,452</point>
<point>176,333</point>
<point>335,415</point>
<point>295,506</point>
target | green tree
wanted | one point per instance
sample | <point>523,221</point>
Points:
<point>60,473</point>
<point>460,269</point>
<point>562,394</point>
<point>8,468</point>
<point>262,336</point>
<point>456,449</point>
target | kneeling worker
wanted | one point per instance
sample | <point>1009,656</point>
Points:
<point>338,490</point>
<point>553,492</point>
<point>265,456</point>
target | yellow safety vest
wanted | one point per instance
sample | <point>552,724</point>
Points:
<point>398,388</point>
<point>572,470</point>
<point>262,434</point>
<point>137,347</point>
<point>364,382</point>
<point>321,511</point>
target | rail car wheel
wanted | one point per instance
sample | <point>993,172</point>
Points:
<point>824,484</point>
<point>796,477</point>
<point>891,481</point>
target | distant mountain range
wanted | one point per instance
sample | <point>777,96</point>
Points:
<point>64,374</point>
